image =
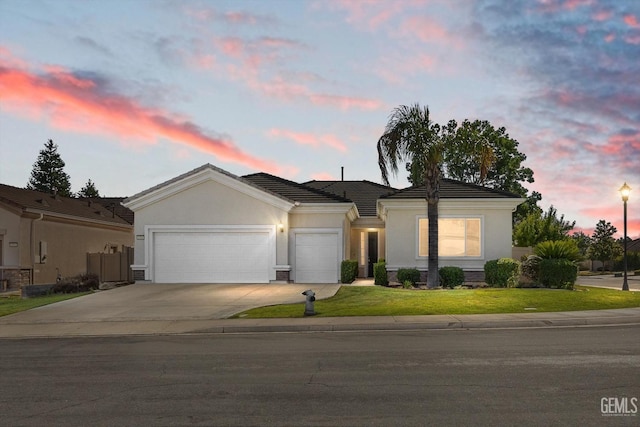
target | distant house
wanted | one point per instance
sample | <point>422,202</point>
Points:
<point>210,226</point>
<point>44,235</point>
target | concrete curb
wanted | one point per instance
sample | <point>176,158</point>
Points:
<point>150,327</point>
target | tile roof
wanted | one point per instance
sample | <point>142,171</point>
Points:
<point>112,203</point>
<point>292,190</point>
<point>363,193</point>
<point>36,201</point>
<point>451,189</point>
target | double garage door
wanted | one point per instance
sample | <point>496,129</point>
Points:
<point>212,257</point>
<point>246,256</point>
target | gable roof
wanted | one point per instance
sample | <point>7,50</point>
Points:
<point>451,189</point>
<point>206,172</point>
<point>32,201</point>
<point>633,246</point>
<point>292,190</point>
<point>363,193</point>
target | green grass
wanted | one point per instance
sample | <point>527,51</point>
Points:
<point>15,304</point>
<point>381,301</point>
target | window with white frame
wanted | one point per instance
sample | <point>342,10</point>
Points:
<point>457,237</point>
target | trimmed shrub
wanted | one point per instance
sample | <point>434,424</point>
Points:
<point>450,277</point>
<point>348,271</point>
<point>558,249</point>
<point>380,273</point>
<point>502,273</point>
<point>531,267</point>
<point>558,273</point>
<point>410,274</point>
<point>79,283</point>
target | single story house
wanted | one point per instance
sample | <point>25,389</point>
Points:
<point>210,226</point>
<point>43,235</point>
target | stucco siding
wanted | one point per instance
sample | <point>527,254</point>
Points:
<point>10,232</point>
<point>211,203</point>
<point>401,236</point>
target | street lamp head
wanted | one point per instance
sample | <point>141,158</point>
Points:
<point>624,191</point>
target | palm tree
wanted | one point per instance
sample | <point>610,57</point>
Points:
<point>410,136</point>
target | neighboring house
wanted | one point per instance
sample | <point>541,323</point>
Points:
<point>210,226</point>
<point>43,235</point>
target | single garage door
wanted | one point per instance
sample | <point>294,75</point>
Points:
<point>316,257</point>
<point>211,257</point>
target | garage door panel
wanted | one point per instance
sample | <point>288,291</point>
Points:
<point>316,257</point>
<point>212,257</point>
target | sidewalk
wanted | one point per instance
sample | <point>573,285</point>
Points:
<point>159,326</point>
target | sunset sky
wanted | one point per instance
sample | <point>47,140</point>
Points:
<point>135,92</point>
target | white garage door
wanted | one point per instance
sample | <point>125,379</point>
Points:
<point>211,257</point>
<point>316,257</point>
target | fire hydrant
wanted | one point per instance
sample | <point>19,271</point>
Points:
<point>308,307</point>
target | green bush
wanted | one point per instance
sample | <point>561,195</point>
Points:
<point>79,283</point>
<point>407,284</point>
<point>558,249</point>
<point>450,277</point>
<point>410,274</point>
<point>380,273</point>
<point>531,267</point>
<point>558,273</point>
<point>348,271</point>
<point>502,273</point>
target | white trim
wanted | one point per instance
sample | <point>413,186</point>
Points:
<point>451,258</point>
<point>150,230</point>
<point>349,209</point>
<point>207,174</point>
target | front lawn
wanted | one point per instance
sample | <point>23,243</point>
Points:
<point>14,304</point>
<point>381,301</point>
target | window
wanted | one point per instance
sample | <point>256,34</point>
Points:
<point>457,237</point>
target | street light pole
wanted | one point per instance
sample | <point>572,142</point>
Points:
<point>624,191</point>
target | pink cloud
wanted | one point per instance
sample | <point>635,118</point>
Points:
<point>310,139</point>
<point>323,176</point>
<point>631,20</point>
<point>553,6</point>
<point>602,15</point>
<point>345,102</point>
<point>76,103</point>
<point>370,14</point>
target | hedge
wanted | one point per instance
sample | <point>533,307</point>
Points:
<point>558,273</point>
<point>348,271</point>
<point>450,277</point>
<point>408,274</point>
<point>502,273</point>
<point>380,274</point>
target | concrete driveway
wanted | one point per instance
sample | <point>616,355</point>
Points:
<point>151,301</point>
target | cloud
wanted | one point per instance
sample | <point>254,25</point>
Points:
<point>74,102</point>
<point>318,141</point>
<point>323,176</point>
<point>209,15</point>
<point>93,45</point>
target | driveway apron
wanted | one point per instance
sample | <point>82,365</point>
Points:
<point>151,301</point>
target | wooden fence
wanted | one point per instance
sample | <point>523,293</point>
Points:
<point>114,267</point>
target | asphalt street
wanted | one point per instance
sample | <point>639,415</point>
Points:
<point>546,376</point>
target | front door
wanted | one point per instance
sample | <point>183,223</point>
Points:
<point>373,251</point>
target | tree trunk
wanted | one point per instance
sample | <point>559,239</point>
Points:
<point>433,276</point>
<point>432,189</point>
